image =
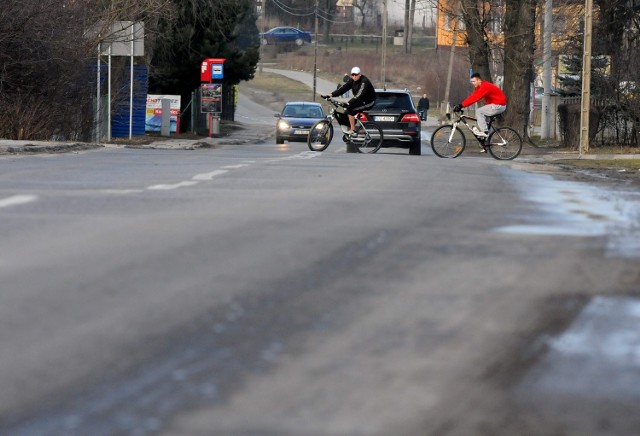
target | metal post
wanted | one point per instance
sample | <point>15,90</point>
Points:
<point>315,55</point>
<point>109,97</point>
<point>546,97</point>
<point>451,58</point>
<point>586,79</point>
<point>131,88</point>
<point>98,64</point>
<point>193,112</point>
<point>384,44</point>
<point>263,21</point>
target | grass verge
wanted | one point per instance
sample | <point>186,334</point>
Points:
<point>273,90</point>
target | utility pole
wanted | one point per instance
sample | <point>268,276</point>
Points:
<point>546,63</point>
<point>315,55</point>
<point>384,44</point>
<point>263,18</point>
<point>452,57</point>
<point>586,79</point>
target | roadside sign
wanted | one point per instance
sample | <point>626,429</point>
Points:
<point>217,71</point>
<point>153,119</point>
<point>211,98</point>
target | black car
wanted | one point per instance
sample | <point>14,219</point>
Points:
<point>395,113</point>
<point>296,119</point>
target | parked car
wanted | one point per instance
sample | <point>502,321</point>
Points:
<point>535,96</point>
<point>296,119</point>
<point>285,35</point>
<point>395,113</point>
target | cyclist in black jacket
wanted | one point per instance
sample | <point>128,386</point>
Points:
<point>364,96</point>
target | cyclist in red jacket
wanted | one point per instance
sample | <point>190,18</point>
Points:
<point>495,102</point>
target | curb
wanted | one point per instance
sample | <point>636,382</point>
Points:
<point>47,148</point>
<point>34,147</point>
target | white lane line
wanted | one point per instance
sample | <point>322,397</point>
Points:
<point>233,167</point>
<point>209,176</point>
<point>174,186</point>
<point>17,199</point>
<point>303,155</point>
<point>121,191</point>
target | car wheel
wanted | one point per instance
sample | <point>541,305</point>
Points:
<point>279,140</point>
<point>415,149</point>
<point>299,42</point>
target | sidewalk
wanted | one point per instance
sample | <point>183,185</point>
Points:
<point>245,133</point>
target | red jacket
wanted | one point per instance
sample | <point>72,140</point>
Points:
<point>490,92</point>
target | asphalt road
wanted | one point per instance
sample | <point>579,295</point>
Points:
<point>268,290</point>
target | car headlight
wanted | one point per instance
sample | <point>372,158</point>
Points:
<point>283,125</point>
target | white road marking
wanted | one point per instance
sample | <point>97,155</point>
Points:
<point>121,191</point>
<point>303,155</point>
<point>209,176</point>
<point>17,199</point>
<point>174,186</point>
<point>233,167</point>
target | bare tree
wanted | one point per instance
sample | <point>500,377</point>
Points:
<point>409,16</point>
<point>476,15</point>
<point>362,6</point>
<point>519,46</point>
<point>46,52</point>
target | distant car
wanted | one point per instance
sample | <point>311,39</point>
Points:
<point>296,119</point>
<point>395,113</point>
<point>536,96</point>
<point>285,35</point>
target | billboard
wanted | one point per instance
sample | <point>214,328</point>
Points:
<point>153,119</point>
<point>211,98</point>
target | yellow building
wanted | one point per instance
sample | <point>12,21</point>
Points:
<point>567,21</point>
<point>448,23</point>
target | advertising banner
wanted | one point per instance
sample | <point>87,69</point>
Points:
<point>153,119</point>
<point>211,98</point>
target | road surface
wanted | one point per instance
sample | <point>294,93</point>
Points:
<point>264,289</point>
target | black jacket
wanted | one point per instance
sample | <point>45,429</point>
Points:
<point>362,90</point>
<point>423,104</point>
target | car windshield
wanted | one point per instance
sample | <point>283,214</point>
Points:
<point>393,101</point>
<point>302,111</point>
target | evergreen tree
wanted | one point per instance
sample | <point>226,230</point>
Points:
<point>203,29</point>
<point>571,80</point>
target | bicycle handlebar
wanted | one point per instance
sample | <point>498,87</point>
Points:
<point>334,101</point>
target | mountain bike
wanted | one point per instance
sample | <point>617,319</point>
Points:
<point>503,143</point>
<point>367,138</point>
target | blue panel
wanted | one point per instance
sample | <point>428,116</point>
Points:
<point>120,120</point>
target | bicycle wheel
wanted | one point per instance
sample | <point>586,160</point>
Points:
<point>320,135</point>
<point>504,143</point>
<point>369,140</point>
<point>446,142</point>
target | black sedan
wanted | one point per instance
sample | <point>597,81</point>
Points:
<point>285,35</point>
<point>296,119</point>
<point>398,118</point>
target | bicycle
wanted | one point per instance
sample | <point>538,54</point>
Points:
<point>368,138</point>
<point>448,141</point>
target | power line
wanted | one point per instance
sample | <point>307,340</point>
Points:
<point>306,12</point>
<point>328,19</point>
<point>291,11</point>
